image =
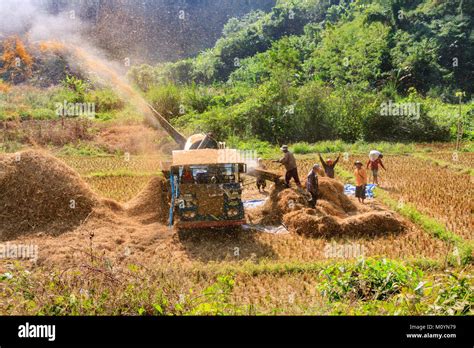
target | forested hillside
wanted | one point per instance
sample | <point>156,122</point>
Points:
<point>146,30</point>
<point>312,70</point>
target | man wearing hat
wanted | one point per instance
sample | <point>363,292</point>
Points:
<point>289,161</point>
<point>361,180</point>
<point>312,185</point>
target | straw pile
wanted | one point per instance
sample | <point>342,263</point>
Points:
<point>152,203</point>
<point>40,193</point>
<point>335,213</point>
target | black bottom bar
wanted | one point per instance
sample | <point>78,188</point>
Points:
<point>289,331</point>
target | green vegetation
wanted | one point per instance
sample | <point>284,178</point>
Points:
<point>10,146</point>
<point>82,149</point>
<point>371,286</point>
<point>368,280</point>
<point>315,75</point>
<point>76,85</point>
<point>268,150</point>
<point>30,103</point>
<point>454,297</point>
<point>105,100</point>
<point>338,146</point>
<point>438,294</point>
<point>307,71</point>
<point>311,71</point>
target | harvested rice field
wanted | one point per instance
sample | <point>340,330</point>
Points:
<point>123,223</point>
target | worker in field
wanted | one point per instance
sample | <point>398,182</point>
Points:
<point>361,181</point>
<point>312,185</point>
<point>375,160</point>
<point>261,183</point>
<point>329,165</point>
<point>289,161</point>
<point>321,171</point>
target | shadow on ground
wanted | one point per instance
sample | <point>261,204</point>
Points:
<point>224,245</point>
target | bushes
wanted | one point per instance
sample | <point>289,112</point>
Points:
<point>302,148</point>
<point>454,298</point>
<point>405,119</point>
<point>198,99</point>
<point>293,78</point>
<point>216,120</point>
<point>403,128</point>
<point>105,100</point>
<point>172,101</point>
<point>278,112</point>
<point>384,147</point>
<point>76,90</point>
<point>267,149</point>
<point>313,115</point>
<point>67,95</point>
<point>82,149</point>
<point>352,52</point>
<point>262,148</point>
<point>166,99</point>
<point>335,146</point>
<point>77,85</point>
<point>26,102</point>
<point>43,114</point>
<point>144,76</point>
<point>368,280</point>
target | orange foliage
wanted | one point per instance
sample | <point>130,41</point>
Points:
<point>51,46</point>
<point>15,57</point>
<point>4,87</point>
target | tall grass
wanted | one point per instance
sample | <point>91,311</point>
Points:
<point>82,149</point>
<point>97,288</point>
<point>267,149</point>
<point>336,146</point>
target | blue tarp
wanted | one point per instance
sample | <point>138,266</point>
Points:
<point>253,203</point>
<point>349,190</point>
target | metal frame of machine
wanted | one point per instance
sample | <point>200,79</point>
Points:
<point>206,188</point>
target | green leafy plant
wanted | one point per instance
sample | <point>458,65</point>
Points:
<point>105,100</point>
<point>455,297</point>
<point>215,298</point>
<point>82,149</point>
<point>369,279</point>
<point>75,83</point>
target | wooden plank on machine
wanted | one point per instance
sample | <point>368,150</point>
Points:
<point>206,157</point>
<point>264,174</point>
